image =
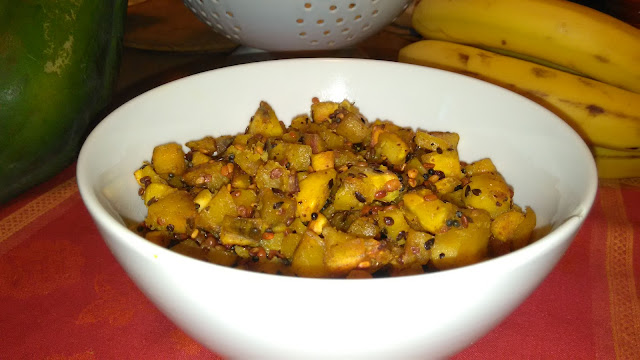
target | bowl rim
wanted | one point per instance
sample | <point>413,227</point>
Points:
<point>128,238</point>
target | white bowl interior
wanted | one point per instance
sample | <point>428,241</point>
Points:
<point>548,164</point>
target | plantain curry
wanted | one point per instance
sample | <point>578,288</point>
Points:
<point>332,195</point>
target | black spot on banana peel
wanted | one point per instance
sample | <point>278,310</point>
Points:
<point>542,73</point>
<point>595,110</point>
<point>464,59</point>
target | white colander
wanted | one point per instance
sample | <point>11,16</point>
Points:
<point>289,25</point>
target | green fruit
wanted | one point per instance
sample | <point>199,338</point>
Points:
<point>58,64</point>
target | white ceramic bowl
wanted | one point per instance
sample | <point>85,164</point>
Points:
<point>286,25</point>
<point>250,315</point>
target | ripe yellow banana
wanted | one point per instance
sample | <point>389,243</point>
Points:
<point>602,114</point>
<point>561,32</point>
<point>604,152</point>
<point>617,167</point>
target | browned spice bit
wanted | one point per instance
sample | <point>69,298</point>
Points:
<point>439,150</point>
<point>464,221</point>
<point>258,252</point>
<point>278,205</point>
<point>429,165</point>
<point>433,178</point>
<point>140,191</point>
<point>401,235</point>
<point>268,235</point>
<point>236,193</point>
<point>160,221</point>
<point>170,228</point>
<point>476,192</point>
<point>464,181</point>
<point>360,197</point>
<point>388,220</point>
<point>429,243</point>
<point>245,212</point>
<point>315,100</point>
<point>152,201</point>
<point>441,256</point>
<point>467,189</point>
<point>275,173</point>
<point>392,185</point>
<point>289,221</point>
<point>145,180</point>
<point>430,197</point>
<point>380,194</point>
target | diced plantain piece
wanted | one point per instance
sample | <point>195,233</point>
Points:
<point>292,238</point>
<point>168,160</point>
<point>362,185</point>
<point>272,175</point>
<point>198,158</point>
<point>393,223</point>
<point>161,238</point>
<point>276,208</point>
<point>240,180</point>
<point>479,167</point>
<point>308,258</point>
<point>221,256</point>
<point>241,231</point>
<point>446,161</point>
<point>172,213</point>
<point>392,148</point>
<point>447,185</point>
<point>504,225</point>
<point>156,191</point>
<point>208,175</point>
<point>427,210</point>
<point>364,227</point>
<point>522,236</point>
<point>417,248</point>
<point>346,158</point>
<point>147,175</point>
<point>265,122</point>
<point>322,111</point>
<point>191,249</point>
<point>248,160</point>
<point>210,217</point>
<point>202,199</point>
<point>246,201</point>
<point>314,141</point>
<point>345,252</point>
<point>354,128</point>
<point>322,161</point>
<point>430,142</point>
<point>488,191</point>
<point>463,246</point>
<point>298,156</point>
<point>300,122</point>
<point>313,194</point>
<point>206,145</point>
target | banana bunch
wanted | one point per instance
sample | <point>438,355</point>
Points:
<point>582,64</point>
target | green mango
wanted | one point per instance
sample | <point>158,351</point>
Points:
<point>59,60</point>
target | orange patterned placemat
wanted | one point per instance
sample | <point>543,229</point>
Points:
<point>64,296</point>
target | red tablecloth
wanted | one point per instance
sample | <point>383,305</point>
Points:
<point>63,295</point>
